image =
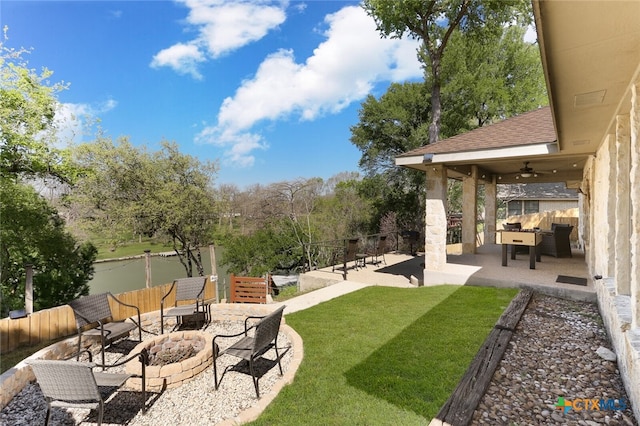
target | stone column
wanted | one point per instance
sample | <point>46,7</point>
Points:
<point>490,211</point>
<point>610,207</point>
<point>635,205</point>
<point>622,265</point>
<point>469,211</point>
<point>435,235</point>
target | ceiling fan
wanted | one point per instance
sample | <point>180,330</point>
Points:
<point>526,171</point>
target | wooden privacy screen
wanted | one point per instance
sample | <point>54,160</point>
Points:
<point>248,289</point>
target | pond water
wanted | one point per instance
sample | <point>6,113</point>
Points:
<point>126,275</point>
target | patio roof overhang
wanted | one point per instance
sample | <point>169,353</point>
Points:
<point>590,53</point>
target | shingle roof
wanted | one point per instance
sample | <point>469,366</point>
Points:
<point>529,128</point>
<point>537,191</point>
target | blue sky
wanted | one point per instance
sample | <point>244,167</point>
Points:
<point>268,89</point>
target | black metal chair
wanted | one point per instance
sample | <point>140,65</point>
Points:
<point>94,318</point>
<point>187,290</point>
<point>349,254</point>
<point>75,384</point>
<point>251,347</point>
<point>378,250</point>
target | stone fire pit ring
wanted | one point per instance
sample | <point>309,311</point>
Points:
<point>176,373</point>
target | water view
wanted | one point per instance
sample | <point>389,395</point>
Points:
<point>127,275</point>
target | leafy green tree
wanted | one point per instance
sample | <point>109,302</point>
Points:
<point>27,116</point>
<point>32,232</point>
<point>388,127</point>
<point>434,22</point>
<point>490,78</point>
<point>270,249</point>
<point>126,189</point>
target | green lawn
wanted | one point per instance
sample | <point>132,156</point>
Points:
<point>131,249</point>
<point>385,355</point>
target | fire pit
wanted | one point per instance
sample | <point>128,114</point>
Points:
<point>175,358</point>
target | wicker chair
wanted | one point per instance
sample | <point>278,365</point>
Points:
<point>249,348</point>
<point>556,243</point>
<point>75,384</point>
<point>187,290</point>
<point>94,318</point>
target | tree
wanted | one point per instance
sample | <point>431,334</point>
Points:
<point>270,249</point>
<point>27,113</point>
<point>128,190</point>
<point>32,232</point>
<point>434,22</point>
<point>490,78</point>
<point>396,123</point>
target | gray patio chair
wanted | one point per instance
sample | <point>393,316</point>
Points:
<point>75,384</point>
<point>187,290</point>
<point>249,348</point>
<point>94,318</point>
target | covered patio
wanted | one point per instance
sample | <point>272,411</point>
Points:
<point>482,268</point>
<point>588,137</point>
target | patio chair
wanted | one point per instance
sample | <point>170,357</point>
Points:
<point>75,384</point>
<point>379,250</point>
<point>350,254</point>
<point>187,290</point>
<point>556,243</point>
<point>94,318</point>
<point>250,348</point>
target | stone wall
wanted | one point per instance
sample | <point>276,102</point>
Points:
<point>611,191</point>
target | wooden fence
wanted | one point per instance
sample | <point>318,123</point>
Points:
<point>248,289</point>
<point>55,323</point>
<point>543,220</point>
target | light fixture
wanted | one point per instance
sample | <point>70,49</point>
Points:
<point>526,171</point>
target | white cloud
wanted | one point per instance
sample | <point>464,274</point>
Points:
<point>227,26</point>
<point>183,58</point>
<point>342,70</point>
<point>72,120</point>
<point>222,28</point>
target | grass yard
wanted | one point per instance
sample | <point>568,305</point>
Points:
<point>385,356</point>
<point>130,249</point>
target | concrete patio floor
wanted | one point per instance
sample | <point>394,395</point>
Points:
<point>484,268</point>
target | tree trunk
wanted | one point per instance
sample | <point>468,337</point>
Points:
<point>436,103</point>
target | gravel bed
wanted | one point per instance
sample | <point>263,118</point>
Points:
<point>193,403</point>
<point>552,354</point>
